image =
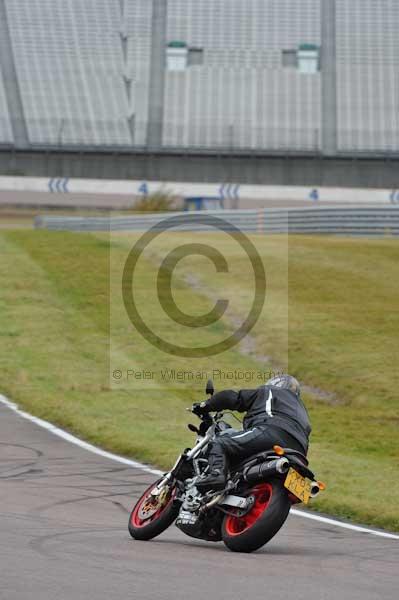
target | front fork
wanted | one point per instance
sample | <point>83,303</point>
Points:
<point>170,477</point>
<point>188,454</point>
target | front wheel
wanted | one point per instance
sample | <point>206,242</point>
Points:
<point>152,515</point>
<point>269,511</point>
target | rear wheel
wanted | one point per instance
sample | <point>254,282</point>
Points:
<point>254,529</point>
<point>152,515</point>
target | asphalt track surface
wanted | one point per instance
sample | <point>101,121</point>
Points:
<point>28,199</point>
<point>59,200</point>
<point>63,535</point>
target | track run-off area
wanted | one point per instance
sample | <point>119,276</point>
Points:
<point>64,508</point>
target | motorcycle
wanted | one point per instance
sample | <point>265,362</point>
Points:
<point>246,514</point>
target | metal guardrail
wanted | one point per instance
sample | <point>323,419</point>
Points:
<point>227,152</point>
<point>321,220</point>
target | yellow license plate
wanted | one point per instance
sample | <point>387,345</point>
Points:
<point>298,485</point>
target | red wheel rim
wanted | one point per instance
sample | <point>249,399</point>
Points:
<point>135,519</point>
<point>237,525</point>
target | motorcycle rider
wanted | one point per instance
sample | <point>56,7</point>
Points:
<point>275,414</point>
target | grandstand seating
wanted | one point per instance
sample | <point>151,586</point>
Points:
<point>83,72</point>
<point>368,75</point>
<point>71,69</point>
<point>241,96</point>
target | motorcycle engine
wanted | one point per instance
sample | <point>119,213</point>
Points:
<point>204,527</point>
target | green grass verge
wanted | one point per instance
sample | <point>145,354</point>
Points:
<point>341,338</point>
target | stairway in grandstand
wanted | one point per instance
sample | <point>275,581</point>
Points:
<point>12,120</point>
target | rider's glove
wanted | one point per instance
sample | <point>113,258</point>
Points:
<point>200,409</point>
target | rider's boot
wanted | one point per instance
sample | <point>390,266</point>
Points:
<point>215,478</point>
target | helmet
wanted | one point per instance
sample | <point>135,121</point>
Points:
<point>286,382</point>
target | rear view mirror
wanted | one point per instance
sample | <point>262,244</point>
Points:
<point>193,428</point>
<point>210,390</point>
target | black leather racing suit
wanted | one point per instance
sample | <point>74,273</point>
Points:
<point>274,416</point>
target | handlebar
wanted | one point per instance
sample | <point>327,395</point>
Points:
<point>206,417</point>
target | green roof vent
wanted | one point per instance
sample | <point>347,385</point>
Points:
<point>177,44</point>
<point>308,47</point>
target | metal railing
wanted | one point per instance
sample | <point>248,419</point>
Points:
<point>122,135</point>
<point>375,221</point>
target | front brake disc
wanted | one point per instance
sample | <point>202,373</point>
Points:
<point>152,504</point>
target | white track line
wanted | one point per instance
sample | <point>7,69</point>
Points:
<point>137,465</point>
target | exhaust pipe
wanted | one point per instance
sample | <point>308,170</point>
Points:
<point>314,489</point>
<point>265,470</point>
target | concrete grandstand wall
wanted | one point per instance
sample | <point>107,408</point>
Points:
<point>58,191</point>
<point>284,170</point>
